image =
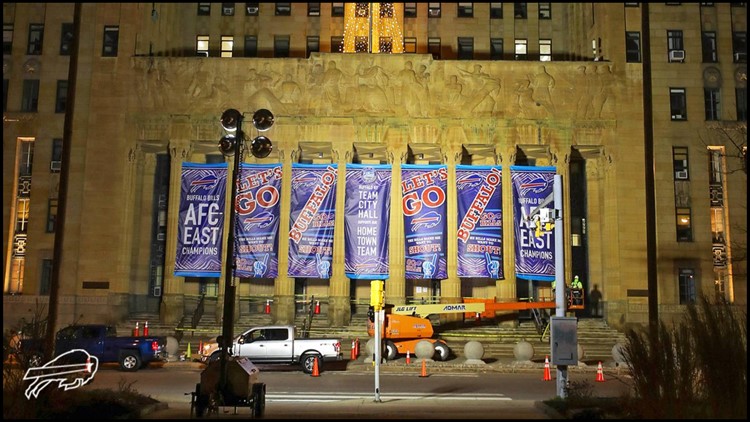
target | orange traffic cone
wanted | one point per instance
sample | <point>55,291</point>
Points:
<point>356,348</point>
<point>317,307</point>
<point>316,371</point>
<point>137,330</point>
<point>353,355</point>
<point>145,329</point>
<point>599,373</point>
<point>268,307</point>
<point>88,364</point>
<point>547,375</point>
<point>408,357</point>
<point>424,369</point>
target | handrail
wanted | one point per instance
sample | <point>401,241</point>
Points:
<point>198,314</point>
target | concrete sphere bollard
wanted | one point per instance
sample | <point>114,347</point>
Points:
<point>474,352</point>
<point>172,347</point>
<point>618,354</point>
<point>424,349</point>
<point>523,351</point>
<point>581,354</point>
<point>370,347</point>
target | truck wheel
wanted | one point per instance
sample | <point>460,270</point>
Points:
<point>441,351</point>
<point>259,400</point>
<point>307,361</point>
<point>391,351</point>
<point>130,361</point>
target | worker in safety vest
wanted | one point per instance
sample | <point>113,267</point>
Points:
<point>576,283</point>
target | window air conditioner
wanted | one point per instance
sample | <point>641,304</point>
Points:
<point>162,236</point>
<point>228,11</point>
<point>682,174</point>
<point>677,55</point>
<point>157,291</point>
<point>740,57</point>
<point>55,165</point>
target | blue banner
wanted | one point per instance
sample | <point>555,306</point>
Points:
<point>424,193</point>
<point>257,226</point>
<point>367,221</point>
<point>201,220</point>
<point>533,187</point>
<point>480,221</point>
<point>313,214</point>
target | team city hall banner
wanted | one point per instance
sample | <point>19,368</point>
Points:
<point>201,220</point>
<point>313,213</point>
<point>256,231</point>
<point>480,221</point>
<point>367,212</point>
<point>533,187</point>
<point>424,191</point>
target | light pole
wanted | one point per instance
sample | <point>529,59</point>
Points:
<point>233,143</point>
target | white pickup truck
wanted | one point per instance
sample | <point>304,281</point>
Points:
<point>276,344</point>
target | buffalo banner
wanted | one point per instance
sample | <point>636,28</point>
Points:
<point>257,225</point>
<point>533,187</point>
<point>424,193</point>
<point>313,214</point>
<point>367,212</point>
<point>201,220</point>
<point>480,221</point>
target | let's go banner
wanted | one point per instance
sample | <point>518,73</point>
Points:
<point>532,188</point>
<point>257,225</point>
<point>423,201</point>
<point>367,221</point>
<point>480,221</point>
<point>201,220</point>
<point>313,214</point>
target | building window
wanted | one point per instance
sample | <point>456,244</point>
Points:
<point>7,38</point>
<point>633,47</point>
<point>111,41</point>
<point>741,99</point>
<point>680,163</point>
<point>204,9</point>
<point>545,10</point>
<point>519,10</point>
<point>687,286</point>
<point>337,44</point>
<point>521,49</point>
<point>385,44</point>
<point>283,9</point>
<point>313,9</point>
<point>281,46</point>
<point>496,10</point>
<point>313,45</point>
<point>46,281</point>
<point>433,10</point>
<point>465,48</point>
<point>632,4</point>
<point>410,45</point>
<point>337,10</point>
<point>708,46</point>
<point>55,163</point>
<point>36,36</point>
<point>684,227</point>
<point>61,98</point>
<point>545,50</point>
<point>201,48</point>
<point>227,9</point>
<point>678,103</point>
<point>227,45</point>
<point>251,9</point>
<point>739,47</point>
<point>465,10</point>
<point>496,48</point>
<point>66,39</point>
<point>675,47</point>
<point>712,100</point>
<point>51,215</point>
<point>410,10</point>
<point>707,5</point>
<point>251,46</point>
<point>433,47</point>
<point>30,99</point>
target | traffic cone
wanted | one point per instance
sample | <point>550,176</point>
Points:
<point>88,364</point>
<point>356,347</point>
<point>317,307</point>
<point>408,357</point>
<point>200,346</point>
<point>188,353</point>
<point>599,373</point>
<point>353,355</point>
<point>547,375</point>
<point>268,307</point>
<point>424,369</point>
<point>136,330</point>
<point>316,371</point>
<point>145,329</point>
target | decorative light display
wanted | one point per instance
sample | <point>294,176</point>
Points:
<point>379,22</point>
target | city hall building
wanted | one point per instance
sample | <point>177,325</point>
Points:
<point>640,108</point>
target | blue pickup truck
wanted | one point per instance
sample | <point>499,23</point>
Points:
<point>132,353</point>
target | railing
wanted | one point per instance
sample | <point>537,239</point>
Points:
<point>198,313</point>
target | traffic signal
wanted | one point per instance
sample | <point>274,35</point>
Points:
<point>376,294</point>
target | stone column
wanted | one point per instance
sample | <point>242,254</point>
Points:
<point>282,309</point>
<point>339,310</point>
<point>395,286</point>
<point>450,288</point>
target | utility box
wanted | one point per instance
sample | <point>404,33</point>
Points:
<point>564,340</point>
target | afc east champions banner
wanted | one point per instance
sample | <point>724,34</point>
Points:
<point>201,220</point>
<point>424,191</point>
<point>533,187</point>
<point>313,213</point>
<point>256,230</point>
<point>480,221</point>
<point>367,221</point>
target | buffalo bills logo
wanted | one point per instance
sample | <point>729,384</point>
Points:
<point>305,180</point>
<point>368,175</point>
<point>469,181</point>
<point>427,221</point>
<point>207,182</point>
<point>260,221</point>
<point>537,185</point>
